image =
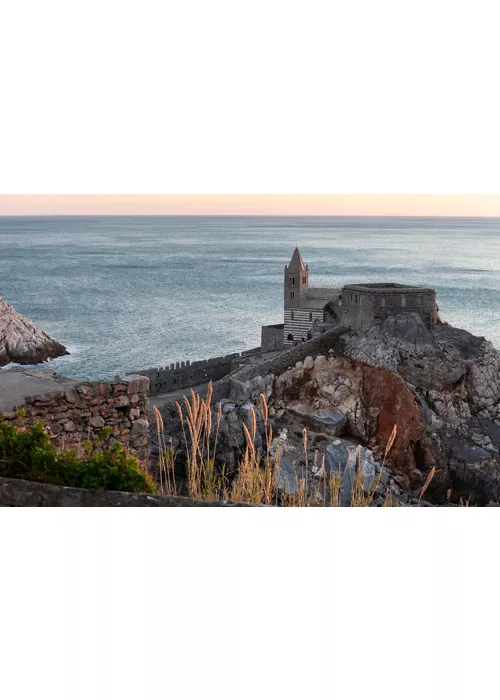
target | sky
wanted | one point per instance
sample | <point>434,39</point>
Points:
<point>264,204</point>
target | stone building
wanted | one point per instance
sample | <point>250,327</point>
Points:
<point>310,311</point>
<point>366,305</point>
<point>303,305</point>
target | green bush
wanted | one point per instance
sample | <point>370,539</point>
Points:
<point>29,454</point>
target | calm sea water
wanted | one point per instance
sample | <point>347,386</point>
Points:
<point>127,293</point>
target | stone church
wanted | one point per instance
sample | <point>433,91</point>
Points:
<point>304,305</point>
<point>310,311</point>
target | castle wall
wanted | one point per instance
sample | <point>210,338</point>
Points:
<point>322,344</point>
<point>363,308</point>
<point>272,338</point>
<point>81,412</point>
<point>182,375</point>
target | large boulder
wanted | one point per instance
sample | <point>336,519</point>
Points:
<point>348,462</point>
<point>22,342</point>
<point>326,420</point>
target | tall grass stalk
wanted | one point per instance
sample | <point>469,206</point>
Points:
<point>256,480</point>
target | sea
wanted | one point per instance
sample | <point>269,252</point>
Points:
<point>128,293</point>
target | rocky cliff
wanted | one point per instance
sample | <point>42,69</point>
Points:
<point>22,342</point>
<point>454,379</point>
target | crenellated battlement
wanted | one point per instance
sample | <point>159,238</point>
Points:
<point>186,373</point>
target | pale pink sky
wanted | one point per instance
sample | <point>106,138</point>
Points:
<point>293,204</point>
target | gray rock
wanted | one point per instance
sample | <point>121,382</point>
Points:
<point>140,426</point>
<point>468,453</point>
<point>258,385</point>
<point>409,328</point>
<point>246,409</point>
<point>324,419</point>
<point>288,476</point>
<point>240,392</point>
<point>22,342</point>
<point>337,456</point>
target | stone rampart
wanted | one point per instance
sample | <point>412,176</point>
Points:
<point>81,412</point>
<point>364,306</point>
<point>320,345</point>
<point>277,365</point>
<point>183,375</point>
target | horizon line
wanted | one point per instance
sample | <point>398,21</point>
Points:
<point>244,215</point>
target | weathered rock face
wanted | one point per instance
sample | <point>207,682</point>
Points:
<point>456,378</point>
<point>441,389</point>
<point>373,401</point>
<point>244,399</point>
<point>22,342</point>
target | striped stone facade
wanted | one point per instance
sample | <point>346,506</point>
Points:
<point>299,322</point>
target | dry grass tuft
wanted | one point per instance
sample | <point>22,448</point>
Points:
<point>256,480</point>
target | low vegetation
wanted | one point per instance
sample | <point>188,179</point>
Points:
<point>257,475</point>
<point>27,453</point>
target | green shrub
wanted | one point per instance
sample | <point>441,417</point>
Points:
<point>29,454</point>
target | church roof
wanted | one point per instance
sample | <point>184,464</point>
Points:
<point>297,261</point>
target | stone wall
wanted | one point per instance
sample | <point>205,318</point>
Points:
<point>364,307</point>
<point>183,375</point>
<point>321,345</point>
<point>81,412</point>
<point>276,365</point>
<point>16,493</point>
<point>272,338</point>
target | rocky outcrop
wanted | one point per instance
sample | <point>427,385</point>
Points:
<point>22,342</point>
<point>441,388</point>
<point>455,377</point>
<point>244,399</point>
<point>372,401</point>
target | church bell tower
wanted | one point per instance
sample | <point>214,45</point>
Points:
<point>296,280</point>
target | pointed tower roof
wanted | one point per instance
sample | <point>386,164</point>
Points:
<point>297,262</point>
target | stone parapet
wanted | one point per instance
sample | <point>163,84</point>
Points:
<point>81,412</point>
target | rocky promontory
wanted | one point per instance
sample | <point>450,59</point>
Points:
<point>440,387</point>
<point>22,342</point>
